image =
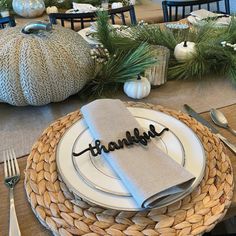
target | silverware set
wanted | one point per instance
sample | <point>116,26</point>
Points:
<point>219,119</point>
<point>12,176</point>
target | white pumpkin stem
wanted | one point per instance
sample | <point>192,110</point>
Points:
<point>185,44</point>
<point>139,77</point>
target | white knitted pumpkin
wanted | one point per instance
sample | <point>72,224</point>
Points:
<point>39,68</point>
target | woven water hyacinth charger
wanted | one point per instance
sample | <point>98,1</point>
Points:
<point>63,214</point>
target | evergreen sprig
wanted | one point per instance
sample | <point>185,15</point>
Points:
<point>119,68</point>
<point>127,58</point>
<point>210,56</point>
<point>111,38</point>
<point>154,35</point>
<point>130,53</point>
<point>104,31</point>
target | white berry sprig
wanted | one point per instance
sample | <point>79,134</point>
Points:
<point>142,23</point>
<point>226,44</point>
<point>99,54</point>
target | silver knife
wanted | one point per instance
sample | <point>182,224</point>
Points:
<point>199,118</point>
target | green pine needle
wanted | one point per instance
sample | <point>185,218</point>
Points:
<point>133,55</point>
<point>154,35</point>
<point>111,38</point>
<point>103,31</point>
<point>127,58</point>
<point>123,66</point>
<point>210,56</point>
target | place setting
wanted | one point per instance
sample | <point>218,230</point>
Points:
<point>94,171</point>
<point>202,16</point>
<point>117,124</point>
<point>89,34</point>
<point>82,8</point>
<point>95,164</point>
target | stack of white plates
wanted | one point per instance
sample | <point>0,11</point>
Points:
<point>87,33</point>
<point>202,16</point>
<point>93,179</point>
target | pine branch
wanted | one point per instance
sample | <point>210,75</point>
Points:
<point>205,32</point>
<point>129,64</point>
<point>124,65</point>
<point>154,35</point>
<point>124,43</point>
<point>210,56</point>
<point>103,31</point>
<point>113,39</point>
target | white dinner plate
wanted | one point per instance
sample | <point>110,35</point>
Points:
<point>221,22</point>
<point>91,40</point>
<point>194,160</point>
<point>97,173</point>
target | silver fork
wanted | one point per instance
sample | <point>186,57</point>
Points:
<point>12,176</point>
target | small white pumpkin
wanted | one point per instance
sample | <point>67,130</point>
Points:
<point>184,51</point>
<point>52,9</point>
<point>137,88</point>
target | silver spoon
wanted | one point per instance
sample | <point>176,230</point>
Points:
<point>220,120</point>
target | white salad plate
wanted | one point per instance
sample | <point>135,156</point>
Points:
<point>84,33</point>
<point>202,16</point>
<point>92,179</point>
<point>92,40</point>
<point>220,22</point>
<point>82,11</point>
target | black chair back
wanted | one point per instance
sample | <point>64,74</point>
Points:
<point>82,18</point>
<point>9,20</point>
<point>119,12</point>
<point>171,8</point>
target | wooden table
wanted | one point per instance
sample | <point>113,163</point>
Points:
<point>29,224</point>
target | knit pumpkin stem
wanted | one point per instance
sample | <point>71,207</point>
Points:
<point>33,27</point>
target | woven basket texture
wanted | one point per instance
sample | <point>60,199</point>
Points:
<point>62,213</point>
<point>37,69</point>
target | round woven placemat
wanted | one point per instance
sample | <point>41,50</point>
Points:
<point>62,213</point>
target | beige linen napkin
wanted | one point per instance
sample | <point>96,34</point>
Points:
<point>200,15</point>
<point>83,7</point>
<point>147,172</point>
<point>203,14</point>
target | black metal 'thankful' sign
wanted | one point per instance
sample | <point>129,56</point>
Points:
<point>127,141</point>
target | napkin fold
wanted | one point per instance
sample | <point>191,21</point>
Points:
<point>201,15</point>
<point>83,7</point>
<point>148,173</point>
<point>116,5</point>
